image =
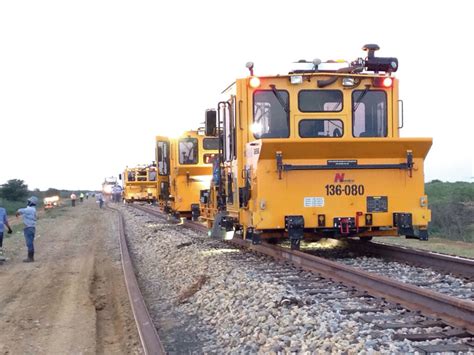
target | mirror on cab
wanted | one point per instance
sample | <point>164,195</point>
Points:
<point>120,176</point>
<point>211,123</point>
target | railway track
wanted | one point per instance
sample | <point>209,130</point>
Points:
<point>438,310</point>
<point>455,265</point>
<point>149,338</point>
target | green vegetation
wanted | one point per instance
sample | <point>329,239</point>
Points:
<point>14,190</point>
<point>438,245</point>
<point>452,208</point>
<point>11,206</point>
<point>14,193</point>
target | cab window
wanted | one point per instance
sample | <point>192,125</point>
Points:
<point>141,175</point>
<point>210,143</point>
<point>163,158</point>
<point>320,128</point>
<point>320,101</point>
<point>369,113</point>
<point>188,151</point>
<point>271,114</point>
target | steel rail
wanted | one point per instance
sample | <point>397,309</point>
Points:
<point>451,310</point>
<point>149,338</point>
<point>455,312</point>
<point>446,263</point>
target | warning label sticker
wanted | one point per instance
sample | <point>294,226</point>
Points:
<point>313,202</point>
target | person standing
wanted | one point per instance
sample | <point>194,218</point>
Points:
<point>81,197</point>
<point>29,220</point>
<point>3,222</point>
<point>117,193</point>
<point>73,199</point>
<point>100,200</point>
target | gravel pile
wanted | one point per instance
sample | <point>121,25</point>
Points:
<point>206,296</point>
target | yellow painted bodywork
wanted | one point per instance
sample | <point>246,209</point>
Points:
<point>142,187</point>
<point>285,196</point>
<point>187,180</point>
<point>273,198</point>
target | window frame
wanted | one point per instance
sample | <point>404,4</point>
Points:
<point>165,158</point>
<point>287,113</point>
<point>206,139</point>
<point>196,153</point>
<point>353,113</point>
<point>320,119</point>
<point>313,90</point>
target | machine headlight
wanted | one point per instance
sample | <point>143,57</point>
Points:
<point>296,79</point>
<point>254,82</point>
<point>348,82</point>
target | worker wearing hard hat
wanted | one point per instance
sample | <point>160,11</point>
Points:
<point>29,220</point>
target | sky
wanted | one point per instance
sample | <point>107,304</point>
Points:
<point>85,86</point>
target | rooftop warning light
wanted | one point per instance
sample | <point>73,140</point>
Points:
<point>254,82</point>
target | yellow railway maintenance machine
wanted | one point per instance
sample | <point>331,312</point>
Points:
<point>190,168</point>
<point>139,184</point>
<point>317,153</point>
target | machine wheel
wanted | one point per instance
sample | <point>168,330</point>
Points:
<point>365,239</point>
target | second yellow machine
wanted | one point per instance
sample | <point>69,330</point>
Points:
<point>184,169</point>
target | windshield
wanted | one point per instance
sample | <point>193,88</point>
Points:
<point>163,158</point>
<point>210,143</point>
<point>320,100</point>
<point>188,151</point>
<point>320,128</point>
<point>369,117</point>
<point>271,114</point>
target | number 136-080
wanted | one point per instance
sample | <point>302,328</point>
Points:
<point>346,190</point>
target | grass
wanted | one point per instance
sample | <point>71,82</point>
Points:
<point>452,208</point>
<point>11,206</point>
<point>439,245</point>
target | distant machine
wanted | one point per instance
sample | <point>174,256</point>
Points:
<point>108,185</point>
<point>140,184</point>
<point>51,202</point>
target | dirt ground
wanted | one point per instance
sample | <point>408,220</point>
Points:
<point>72,299</point>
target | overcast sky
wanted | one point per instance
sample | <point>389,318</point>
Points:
<point>86,85</point>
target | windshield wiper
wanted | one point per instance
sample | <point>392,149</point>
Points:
<point>359,99</point>
<point>279,98</point>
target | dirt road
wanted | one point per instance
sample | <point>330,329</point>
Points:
<point>73,298</point>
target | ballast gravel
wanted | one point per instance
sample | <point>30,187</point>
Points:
<point>422,277</point>
<point>206,296</point>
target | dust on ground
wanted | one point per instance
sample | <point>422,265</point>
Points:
<point>72,299</point>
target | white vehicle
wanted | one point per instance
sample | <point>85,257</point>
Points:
<point>108,185</point>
